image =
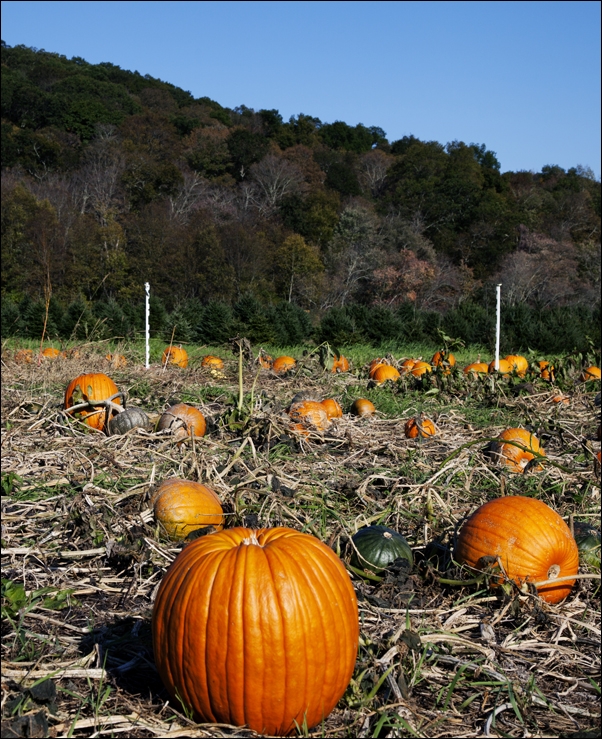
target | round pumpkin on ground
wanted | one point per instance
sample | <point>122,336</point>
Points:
<point>476,368</point>
<point>546,371</point>
<point>284,364</point>
<point>129,419</point>
<point>24,356</point>
<point>181,418</point>
<point>213,362</point>
<point>51,353</point>
<point>504,367</point>
<point>524,446</point>
<point>118,361</point>
<point>311,413</point>
<point>340,364</point>
<point>376,547</point>
<point>385,372</point>
<point>362,407</point>
<point>519,364</point>
<point>175,355</point>
<point>257,628</point>
<point>445,360</point>
<point>332,408</point>
<point>408,365</point>
<point>415,427</point>
<point>532,542</point>
<point>182,506</point>
<point>92,388</point>
<point>421,368</point>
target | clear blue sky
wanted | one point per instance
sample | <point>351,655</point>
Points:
<point>521,77</point>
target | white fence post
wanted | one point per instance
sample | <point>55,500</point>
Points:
<point>497,326</point>
<point>147,332</point>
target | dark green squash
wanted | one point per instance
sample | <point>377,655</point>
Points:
<point>588,543</point>
<point>376,547</point>
<point>127,420</point>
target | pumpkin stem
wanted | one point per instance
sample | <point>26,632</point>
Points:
<point>251,540</point>
<point>553,572</point>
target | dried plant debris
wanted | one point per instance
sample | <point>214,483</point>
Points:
<point>82,556</point>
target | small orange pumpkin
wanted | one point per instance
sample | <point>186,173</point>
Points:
<point>362,407</point>
<point>519,364</point>
<point>374,364</point>
<point>284,364</point>
<point>476,368</point>
<point>590,373</point>
<point>419,426</point>
<point>546,371</point>
<point>561,399</point>
<point>517,455</point>
<point>311,413</point>
<point>384,372</point>
<point>340,364</point>
<point>265,360</point>
<point>118,361</point>
<point>532,542</point>
<point>256,627</point>
<point>182,506</point>
<point>504,367</point>
<point>332,408</point>
<point>24,356</point>
<point>182,418</point>
<point>213,362</point>
<point>408,365</point>
<point>175,355</point>
<point>90,388</point>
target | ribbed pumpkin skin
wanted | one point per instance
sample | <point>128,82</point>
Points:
<point>175,355</point>
<point>376,547</point>
<point>130,418</point>
<point>362,407</point>
<point>590,373</point>
<point>256,627</point>
<point>504,367</point>
<point>515,457</point>
<point>421,368</point>
<point>445,360</point>
<point>340,364</point>
<point>50,353</point>
<point>384,372</point>
<point>89,387</point>
<point>332,408</point>
<point>476,368</point>
<point>547,371</point>
<point>182,506</point>
<point>528,536</point>
<point>187,414</point>
<point>283,364</point>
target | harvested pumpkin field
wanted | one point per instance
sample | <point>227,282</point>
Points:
<point>440,654</point>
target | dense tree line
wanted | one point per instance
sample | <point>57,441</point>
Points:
<point>111,178</point>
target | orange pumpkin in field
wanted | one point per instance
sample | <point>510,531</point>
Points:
<point>24,356</point>
<point>408,365</point>
<point>50,353</point>
<point>590,373</point>
<point>443,359</point>
<point>476,368</point>
<point>519,364</point>
<point>175,355</point>
<point>362,407</point>
<point>256,627</point>
<point>332,408</point>
<point>546,371</point>
<point>524,446</point>
<point>284,364</point>
<point>182,506</point>
<point>504,367</point>
<point>91,388</point>
<point>311,413</point>
<point>340,364</point>
<point>374,364</point>
<point>419,426</point>
<point>421,368</point>
<point>213,362</point>
<point>182,419</point>
<point>384,372</point>
<point>531,541</point>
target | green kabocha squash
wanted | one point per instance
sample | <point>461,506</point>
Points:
<point>130,418</point>
<point>588,543</point>
<point>376,547</point>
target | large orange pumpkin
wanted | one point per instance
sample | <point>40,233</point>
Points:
<point>257,628</point>
<point>175,355</point>
<point>383,373</point>
<point>518,454</point>
<point>182,418</point>
<point>415,427</point>
<point>284,364</point>
<point>311,413</point>
<point>532,541</point>
<point>476,368</point>
<point>408,365</point>
<point>590,373</point>
<point>519,364</point>
<point>91,388</point>
<point>421,368</point>
<point>182,506</point>
<point>504,367</point>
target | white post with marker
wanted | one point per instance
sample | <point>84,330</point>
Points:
<point>147,332</point>
<point>497,326</point>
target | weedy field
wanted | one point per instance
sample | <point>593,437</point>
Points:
<point>440,655</point>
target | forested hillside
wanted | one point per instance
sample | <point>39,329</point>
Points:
<point>111,178</point>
